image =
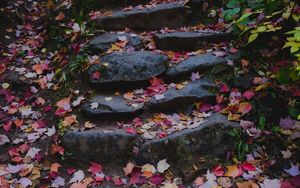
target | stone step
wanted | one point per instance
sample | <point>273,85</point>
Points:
<point>209,138</point>
<point>173,98</point>
<point>201,63</point>
<point>105,41</point>
<point>171,15</point>
<point>188,41</point>
<point>127,68</point>
<point>99,145</point>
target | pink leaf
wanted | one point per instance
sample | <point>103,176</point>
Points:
<point>248,94</point>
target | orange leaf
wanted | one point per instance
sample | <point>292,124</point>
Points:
<point>244,108</point>
<point>37,68</point>
<point>233,171</point>
<point>69,120</point>
<point>18,122</point>
<point>54,167</point>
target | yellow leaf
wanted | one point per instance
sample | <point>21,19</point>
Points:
<point>232,171</point>
<point>252,37</point>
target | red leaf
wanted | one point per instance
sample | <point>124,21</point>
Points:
<point>95,168</point>
<point>96,75</point>
<point>71,170</point>
<point>157,179</point>
<point>131,130</point>
<point>248,94</point>
<point>224,88</point>
<point>244,108</point>
<point>7,126</point>
<point>248,167</point>
<point>218,170</point>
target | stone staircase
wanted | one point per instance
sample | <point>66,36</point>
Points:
<point>122,91</point>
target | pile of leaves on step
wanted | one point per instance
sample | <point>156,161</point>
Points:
<point>38,103</point>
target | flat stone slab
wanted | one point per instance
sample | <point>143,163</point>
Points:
<point>209,139</point>
<point>188,41</point>
<point>169,15</point>
<point>104,42</point>
<point>121,67</point>
<point>110,105</point>
<point>98,145</point>
<point>174,98</point>
<point>200,63</point>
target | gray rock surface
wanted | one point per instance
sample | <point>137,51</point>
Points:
<point>209,139</point>
<point>110,105</point>
<point>128,67</point>
<point>174,98</point>
<point>188,41</point>
<point>99,146</point>
<point>201,63</point>
<point>103,42</point>
<point>170,15</point>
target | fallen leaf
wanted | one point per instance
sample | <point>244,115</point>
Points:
<point>128,169</point>
<point>95,168</point>
<point>244,108</point>
<point>162,166</point>
<point>77,177</point>
<point>60,16</point>
<point>233,171</point>
<point>293,171</point>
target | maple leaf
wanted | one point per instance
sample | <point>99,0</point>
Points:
<point>248,167</point>
<point>69,120</point>
<point>162,166</point>
<point>223,88</point>
<point>248,94</point>
<point>293,171</point>
<point>195,76</point>
<point>244,108</point>
<point>96,75</point>
<point>77,177</point>
<point>95,168</point>
<point>54,167</point>
<point>233,171</point>
<point>130,130</point>
<point>148,170</point>
<point>128,169</point>
<point>198,181</point>
<point>58,182</point>
<point>287,123</point>
<point>3,139</point>
<point>156,179</point>
<point>218,170</point>
<point>286,154</point>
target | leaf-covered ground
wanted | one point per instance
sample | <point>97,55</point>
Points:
<point>40,94</point>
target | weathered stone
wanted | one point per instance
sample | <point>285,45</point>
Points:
<point>188,41</point>
<point>201,63</point>
<point>122,67</point>
<point>111,105</point>
<point>99,146</point>
<point>170,15</point>
<point>104,42</point>
<point>209,139</point>
<point>174,98</point>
